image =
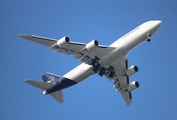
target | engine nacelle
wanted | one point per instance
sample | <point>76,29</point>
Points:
<point>132,70</point>
<point>132,86</point>
<point>62,41</point>
<point>91,45</point>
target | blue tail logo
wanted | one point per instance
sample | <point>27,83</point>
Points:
<point>51,78</point>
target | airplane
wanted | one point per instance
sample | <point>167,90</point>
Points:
<point>110,61</point>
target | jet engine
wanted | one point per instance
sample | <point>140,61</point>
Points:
<point>132,70</point>
<point>91,45</point>
<point>62,41</point>
<point>132,86</point>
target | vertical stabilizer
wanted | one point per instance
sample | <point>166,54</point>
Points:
<point>50,78</point>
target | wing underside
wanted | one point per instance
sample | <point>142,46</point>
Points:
<point>121,80</point>
<point>74,48</point>
<point>127,97</point>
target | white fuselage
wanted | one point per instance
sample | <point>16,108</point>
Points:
<point>123,46</point>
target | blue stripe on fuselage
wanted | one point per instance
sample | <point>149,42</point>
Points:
<point>61,84</point>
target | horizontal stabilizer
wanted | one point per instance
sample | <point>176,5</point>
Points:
<point>58,96</point>
<point>40,85</point>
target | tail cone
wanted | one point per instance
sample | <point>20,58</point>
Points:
<point>45,93</point>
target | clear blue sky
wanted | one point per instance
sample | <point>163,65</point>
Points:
<point>83,21</point>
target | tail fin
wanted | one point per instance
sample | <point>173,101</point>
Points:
<point>50,78</point>
<point>44,86</point>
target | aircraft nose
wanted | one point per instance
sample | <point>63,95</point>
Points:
<point>157,24</point>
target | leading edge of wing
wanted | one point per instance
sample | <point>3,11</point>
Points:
<point>38,39</point>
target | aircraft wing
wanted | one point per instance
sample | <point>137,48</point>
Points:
<point>121,81</point>
<point>74,48</point>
